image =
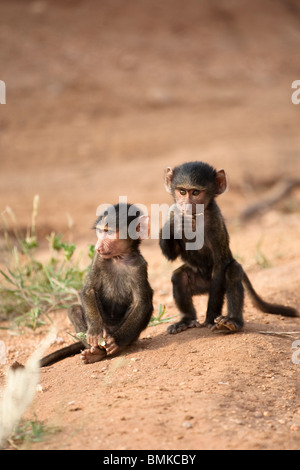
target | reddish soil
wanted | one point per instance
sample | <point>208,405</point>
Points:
<point>101,97</point>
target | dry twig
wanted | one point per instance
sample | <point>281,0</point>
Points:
<point>280,190</point>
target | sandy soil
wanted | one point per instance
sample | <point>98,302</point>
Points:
<point>101,97</point>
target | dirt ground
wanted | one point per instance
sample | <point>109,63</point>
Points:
<point>101,97</point>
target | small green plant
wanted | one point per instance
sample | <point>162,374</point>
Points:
<point>260,257</point>
<point>160,317</point>
<point>32,289</point>
<point>91,251</point>
<point>30,431</point>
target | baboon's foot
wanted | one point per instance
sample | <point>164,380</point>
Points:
<point>182,325</point>
<point>227,324</point>
<point>94,354</point>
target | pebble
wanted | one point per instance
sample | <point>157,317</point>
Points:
<point>59,340</point>
<point>187,424</point>
<point>188,417</point>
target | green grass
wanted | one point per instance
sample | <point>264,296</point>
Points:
<point>260,257</point>
<point>30,289</point>
<point>30,431</point>
<point>160,317</point>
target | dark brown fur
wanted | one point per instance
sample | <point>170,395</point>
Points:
<point>116,300</point>
<point>211,269</point>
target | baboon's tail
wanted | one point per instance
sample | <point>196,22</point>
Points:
<point>61,354</point>
<point>267,307</point>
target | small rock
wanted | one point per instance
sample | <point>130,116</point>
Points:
<point>187,424</point>
<point>16,365</point>
<point>59,340</point>
<point>188,417</point>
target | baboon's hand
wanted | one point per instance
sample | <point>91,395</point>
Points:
<point>94,336</point>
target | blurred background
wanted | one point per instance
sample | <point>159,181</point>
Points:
<point>102,95</point>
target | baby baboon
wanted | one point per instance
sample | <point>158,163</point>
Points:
<point>117,297</point>
<point>211,269</point>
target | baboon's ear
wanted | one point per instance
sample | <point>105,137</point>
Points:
<point>168,176</point>
<point>221,182</point>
